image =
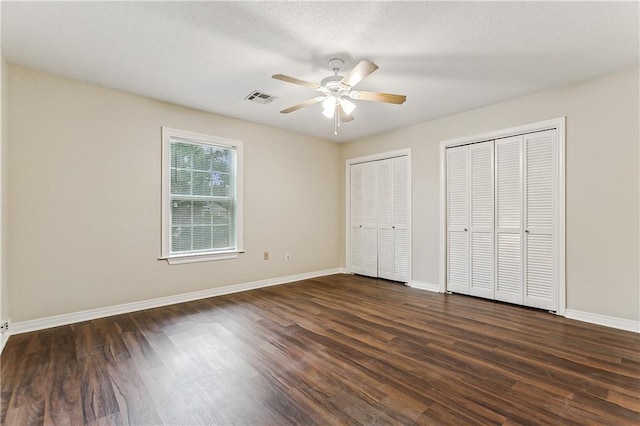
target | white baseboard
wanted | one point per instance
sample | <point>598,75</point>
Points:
<point>607,321</point>
<point>3,340</point>
<point>425,286</point>
<point>58,320</point>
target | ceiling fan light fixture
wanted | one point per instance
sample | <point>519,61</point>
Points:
<point>329,106</point>
<point>347,106</point>
<point>335,90</point>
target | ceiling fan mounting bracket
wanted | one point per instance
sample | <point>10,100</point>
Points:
<point>335,64</point>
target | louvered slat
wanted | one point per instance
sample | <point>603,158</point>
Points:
<point>539,190</point>
<point>509,182</point>
<point>357,247</point>
<point>481,185</point>
<point>400,192</point>
<point>540,266</point>
<point>385,253</point>
<point>401,258</point>
<point>370,194</point>
<point>386,189</point>
<point>458,263</point>
<point>370,252</point>
<point>509,279</point>
<point>457,194</point>
<point>482,263</point>
<point>356,194</point>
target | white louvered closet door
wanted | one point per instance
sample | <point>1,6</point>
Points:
<point>458,219</point>
<point>393,219</point>
<point>481,220</point>
<point>385,220</point>
<point>508,193</point>
<point>540,181</point>
<point>357,208</point>
<point>401,225</point>
<point>380,222</point>
<point>370,219</point>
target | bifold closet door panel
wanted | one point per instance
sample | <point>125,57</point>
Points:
<point>380,226</point>
<point>370,219</point>
<point>458,219</point>
<point>540,212</point>
<point>364,233</point>
<point>401,224</point>
<point>508,193</point>
<point>393,219</point>
<point>481,219</point>
<point>385,219</point>
<point>356,210</point>
<point>502,219</point>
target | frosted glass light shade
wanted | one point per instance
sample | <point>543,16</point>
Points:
<point>347,106</point>
<point>329,106</point>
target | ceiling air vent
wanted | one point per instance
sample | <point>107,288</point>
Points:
<point>260,98</point>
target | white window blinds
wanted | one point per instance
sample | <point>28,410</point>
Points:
<point>200,195</point>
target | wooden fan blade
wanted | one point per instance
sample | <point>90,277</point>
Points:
<point>302,105</point>
<point>297,81</point>
<point>344,117</point>
<point>379,97</point>
<point>358,73</point>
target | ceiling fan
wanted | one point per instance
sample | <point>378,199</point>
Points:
<point>337,90</point>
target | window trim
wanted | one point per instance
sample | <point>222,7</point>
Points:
<point>181,258</point>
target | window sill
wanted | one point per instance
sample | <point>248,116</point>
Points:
<point>204,257</point>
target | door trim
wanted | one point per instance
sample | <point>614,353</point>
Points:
<point>347,201</point>
<point>556,123</point>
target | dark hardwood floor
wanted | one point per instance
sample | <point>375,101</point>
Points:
<point>331,350</point>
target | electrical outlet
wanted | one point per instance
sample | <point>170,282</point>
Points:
<point>287,257</point>
<point>4,327</point>
<point>266,255</point>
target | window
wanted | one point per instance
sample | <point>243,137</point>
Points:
<point>201,197</point>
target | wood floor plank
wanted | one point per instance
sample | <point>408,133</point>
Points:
<point>331,350</point>
<point>63,397</point>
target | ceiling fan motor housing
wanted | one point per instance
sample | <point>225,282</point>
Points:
<point>333,85</point>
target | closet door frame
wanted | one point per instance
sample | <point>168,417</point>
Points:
<point>366,159</point>
<point>559,125</point>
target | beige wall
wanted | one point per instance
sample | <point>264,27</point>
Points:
<point>84,199</point>
<point>602,184</point>
<point>4,100</point>
<point>83,196</point>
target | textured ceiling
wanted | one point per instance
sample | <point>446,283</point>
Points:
<point>447,57</point>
